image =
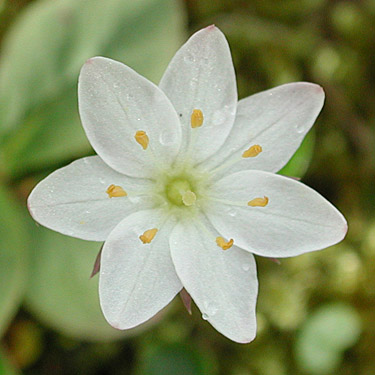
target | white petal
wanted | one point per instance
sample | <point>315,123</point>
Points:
<point>277,120</point>
<point>223,284</point>
<point>296,220</point>
<point>136,280</point>
<point>114,103</point>
<point>73,199</point>
<point>201,76</point>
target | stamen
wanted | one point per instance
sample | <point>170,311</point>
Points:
<point>142,138</point>
<point>258,202</point>
<point>225,245</point>
<point>252,151</point>
<point>148,235</point>
<point>116,191</point>
<point>189,198</point>
<point>196,119</point>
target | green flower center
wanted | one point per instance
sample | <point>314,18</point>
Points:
<point>179,192</point>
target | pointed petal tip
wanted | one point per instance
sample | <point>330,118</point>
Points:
<point>246,339</point>
<point>345,228</point>
<point>314,87</point>
<point>89,61</point>
<point>29,207</point>
<point>211,27</point>
<point>116,325</point>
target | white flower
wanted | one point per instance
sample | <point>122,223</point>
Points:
<point>183,189</point>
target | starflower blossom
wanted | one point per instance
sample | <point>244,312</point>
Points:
<point>183,190</point>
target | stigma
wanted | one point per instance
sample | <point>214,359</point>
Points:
<point>252,151</point>
<point>225,245</point>
<point>148,235</point>
<point>115,191</point>
<point>189,198</point>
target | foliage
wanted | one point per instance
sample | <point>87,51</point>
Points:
<point>315,312</point>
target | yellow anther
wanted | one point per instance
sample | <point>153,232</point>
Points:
<point>116,191</point>
<point>225,245</point>
<point>189,198</point>
<point>252,151</point>
<point>148,235</point>
<point>196,118</point>
<point>142,138</point>
<point>258,202</point>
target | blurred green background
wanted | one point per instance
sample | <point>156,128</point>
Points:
<point>316,312</point>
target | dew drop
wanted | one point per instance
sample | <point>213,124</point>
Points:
<point>218,117</point>
<point>232,213</point>
<point>210,309</point>
<point>246,267</point>
<point>189,59</point>
<point>101,180</point>
<point>205,60</point>
<point>193,82</point>
<point>300,128</point>
<point>134,200</point>
<point>166,138</point>
<point>204,316</point>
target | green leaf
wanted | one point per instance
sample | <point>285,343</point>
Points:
<point>13,258</point>
<point>322,340</point>
<point>43,54</point>
<point>60,292</point>
<point>6,368</point>
<point>298,164</point>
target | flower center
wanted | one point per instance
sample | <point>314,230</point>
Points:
<point>179,192</point>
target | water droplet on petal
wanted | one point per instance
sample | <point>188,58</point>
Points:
<point>246,267</point>
<point>135,200</point>
<point>300,128</point>
<point>204,316</point>
<point>101,180</point>
<point>210,309</point>
<point>166,138</point>
<point>189,59</point>
<point>218,117</point>
<point>194,82</point>
<point>232,213</point>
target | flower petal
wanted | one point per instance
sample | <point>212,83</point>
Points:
<point>223,284</point>
<point>291,220</point>
<point>73,199</point>
<point>137,279</point>
<point>201,76</point>
<point>114,103</point>
<point>277,120</point>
